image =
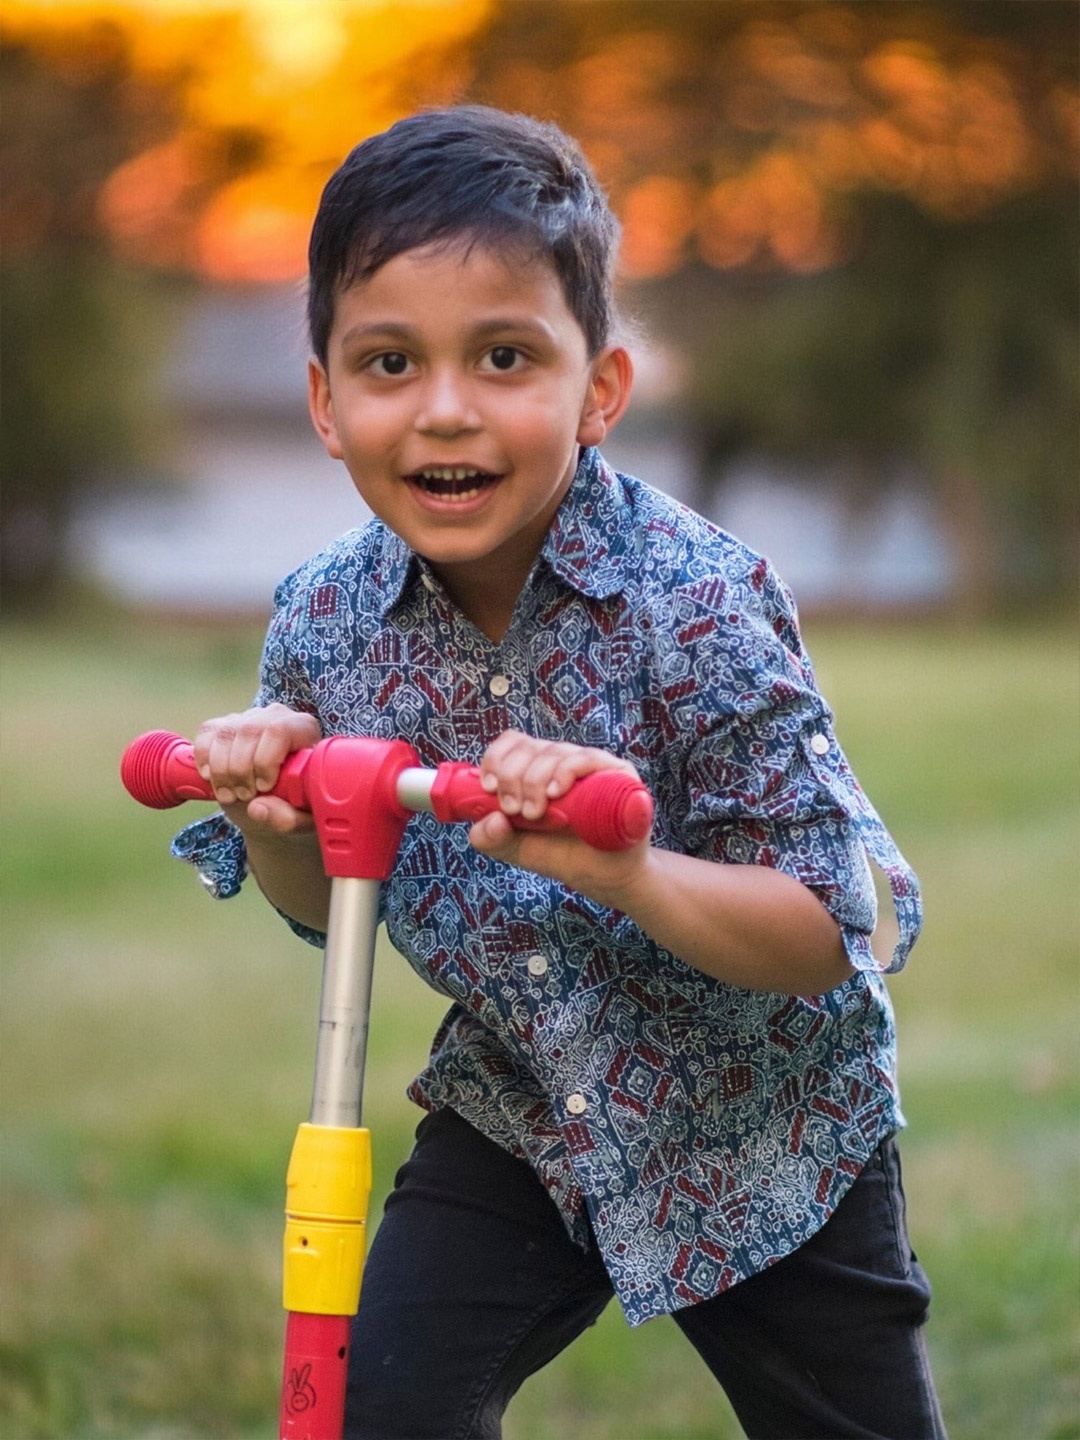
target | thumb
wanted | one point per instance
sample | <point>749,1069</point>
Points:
<point>492,833</point>
<point>272,813</point>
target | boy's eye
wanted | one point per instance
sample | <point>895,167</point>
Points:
<point>392,362</point>
<point>502,357</point>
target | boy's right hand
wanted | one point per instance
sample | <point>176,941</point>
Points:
<point>241,754</point>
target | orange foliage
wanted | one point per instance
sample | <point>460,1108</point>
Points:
<point>253,229</point>
<point>774,211</point>
<point>296,81</point>
<point>659,216</point>
<point>742,151</point>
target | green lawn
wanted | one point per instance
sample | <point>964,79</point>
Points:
<point>158,1050</point>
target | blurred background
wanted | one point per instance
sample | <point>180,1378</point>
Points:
<point>850,265</point>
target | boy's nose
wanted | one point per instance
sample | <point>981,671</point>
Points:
<point>446,408</point>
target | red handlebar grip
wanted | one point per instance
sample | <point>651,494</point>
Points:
<point>158,770</point>
<point>608,809</point>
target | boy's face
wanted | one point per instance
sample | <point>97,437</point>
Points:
<point>457,391</point>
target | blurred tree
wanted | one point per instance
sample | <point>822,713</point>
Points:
<point>858,225</point>
<point>947,351</point>
<point>141,144</point>
<point>78,402</point>
<point>74,371</point>
<point>857,221</point>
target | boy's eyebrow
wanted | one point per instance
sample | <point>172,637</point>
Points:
<point>495,325</point>
<point>499,324</point>
<point>383,330</point>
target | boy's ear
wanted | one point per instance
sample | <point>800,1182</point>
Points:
<point>322,409</point>
<point>612,376</point>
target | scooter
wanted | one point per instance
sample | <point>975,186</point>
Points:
<point>361,793</point>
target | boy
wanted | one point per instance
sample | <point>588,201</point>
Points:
<point>666,1074</point>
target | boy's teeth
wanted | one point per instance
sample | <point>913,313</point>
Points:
<point>452,482</point>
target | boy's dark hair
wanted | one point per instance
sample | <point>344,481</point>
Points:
<point>465,173</point>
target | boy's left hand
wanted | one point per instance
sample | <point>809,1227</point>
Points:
<point>745,925</point>
<point>527,773</point>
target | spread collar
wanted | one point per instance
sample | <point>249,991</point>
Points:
<point>588,545</point>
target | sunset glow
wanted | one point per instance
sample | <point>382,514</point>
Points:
<point>307,78</point>
<point>269,94</point>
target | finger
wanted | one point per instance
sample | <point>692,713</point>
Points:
<point>558,856</point>
<point>206,746</point>
<point>298,728</point>
<point>583,760</point>
<point>554,770</point>
<point>503,765</point>
<point>200,748</point>
<point>494,835</point>
<point>273,813</point>
<point>215,742</point>
<point>279,737</point>
<point>235,755</point>
<point>241,754</point>
<point>551,770</point>
<point>268,814</point>
<point>496,756</point>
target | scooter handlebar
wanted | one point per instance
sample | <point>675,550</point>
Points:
<point>609,809</point>
<point>158,770</point>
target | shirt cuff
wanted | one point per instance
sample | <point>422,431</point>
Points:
<point>860,951</point>
<point>216,849</point>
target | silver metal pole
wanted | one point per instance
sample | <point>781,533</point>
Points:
<point>348,965</point>
<point>345,1004</point>
<point>414,788</point>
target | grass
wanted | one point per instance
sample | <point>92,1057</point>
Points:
<point>158,1050</point>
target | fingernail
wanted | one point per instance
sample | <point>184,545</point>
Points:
<point>489,782</point>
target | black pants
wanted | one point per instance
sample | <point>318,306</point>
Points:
<point>473,1284</point>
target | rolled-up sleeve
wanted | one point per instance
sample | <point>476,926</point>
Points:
<point>214,846</point>
<point>778,814</point>
<point>216,849</point>
<point>767,782</point>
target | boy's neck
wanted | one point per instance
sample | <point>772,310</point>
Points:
<point>487,601</point>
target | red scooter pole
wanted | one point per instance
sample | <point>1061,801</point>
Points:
<point>361,793</point>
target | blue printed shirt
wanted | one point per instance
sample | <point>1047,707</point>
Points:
<point>703,1130</point>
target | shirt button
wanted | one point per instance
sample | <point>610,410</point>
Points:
<point>499,685</point>
<point>576,1104</point>
<point>537,965</point>
<point>819,744</point>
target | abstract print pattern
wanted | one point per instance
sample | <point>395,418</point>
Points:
<point>704,1130</point>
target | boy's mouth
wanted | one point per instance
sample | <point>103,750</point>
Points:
<point>452,482</point>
